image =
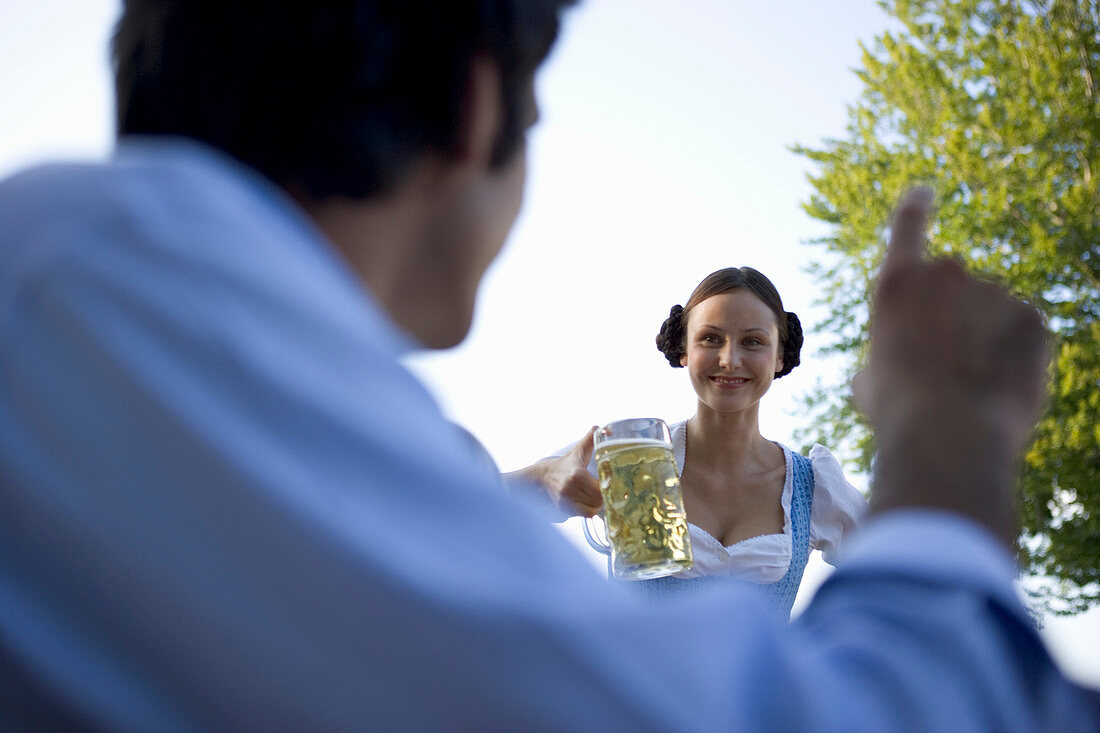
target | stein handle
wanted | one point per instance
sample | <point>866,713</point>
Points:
<point>593,538</point>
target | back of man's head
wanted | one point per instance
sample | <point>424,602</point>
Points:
<point>327,98</point>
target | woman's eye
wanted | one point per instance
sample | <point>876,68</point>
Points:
<point>752,342</point>
<point>710,339</point>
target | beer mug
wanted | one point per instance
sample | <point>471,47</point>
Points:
<point>643,510</point>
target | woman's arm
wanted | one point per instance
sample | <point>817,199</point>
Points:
<point>564,480</point>
<point>838,507</point>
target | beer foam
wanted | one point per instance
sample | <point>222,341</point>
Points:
<point>632,443</point>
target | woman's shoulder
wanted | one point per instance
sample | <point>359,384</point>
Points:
<point>837,505</point>
<point>830,483</point>
<point>826,464</point>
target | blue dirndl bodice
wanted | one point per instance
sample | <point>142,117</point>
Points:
<point>782,592</point>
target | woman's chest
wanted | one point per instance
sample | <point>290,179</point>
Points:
<point>732,507</point>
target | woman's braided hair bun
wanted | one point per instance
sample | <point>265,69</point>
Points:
<point>670,339</point>
<point>792,347</point>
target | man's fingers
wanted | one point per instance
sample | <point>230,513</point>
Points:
<point>906,245</point>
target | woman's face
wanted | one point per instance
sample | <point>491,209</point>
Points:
<point>733,350</point>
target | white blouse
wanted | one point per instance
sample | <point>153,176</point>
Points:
<point>837,509</point>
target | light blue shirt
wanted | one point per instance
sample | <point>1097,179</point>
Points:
<point>224,504</point>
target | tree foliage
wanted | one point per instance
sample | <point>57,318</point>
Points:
<point>995,103</point>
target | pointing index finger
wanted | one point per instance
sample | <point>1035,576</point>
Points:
<point>906,245</point>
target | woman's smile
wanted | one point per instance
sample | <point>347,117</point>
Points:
<point>729,382</point>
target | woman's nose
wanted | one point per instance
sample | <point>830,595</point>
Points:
<point>727,356</point>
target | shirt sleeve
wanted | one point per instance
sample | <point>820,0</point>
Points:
<point>478,451</point>
<point>922,618</point>
<point>838,506</point>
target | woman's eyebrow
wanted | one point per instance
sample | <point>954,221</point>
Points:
<point>703,326</point>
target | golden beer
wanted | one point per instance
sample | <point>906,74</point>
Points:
<point>643,508</point>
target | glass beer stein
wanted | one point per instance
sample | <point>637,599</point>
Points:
<point>643,510</point>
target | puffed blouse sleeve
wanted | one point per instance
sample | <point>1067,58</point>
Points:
<point>838,506</point>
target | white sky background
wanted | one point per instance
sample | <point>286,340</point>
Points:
<point>662,155</point>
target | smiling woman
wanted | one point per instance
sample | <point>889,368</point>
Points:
<point>755,507</point>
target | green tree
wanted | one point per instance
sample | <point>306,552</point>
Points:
<point>995,103</point>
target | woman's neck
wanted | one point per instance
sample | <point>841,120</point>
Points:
<point>728,440</point>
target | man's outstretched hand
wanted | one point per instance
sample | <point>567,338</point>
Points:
<point>955,380</point>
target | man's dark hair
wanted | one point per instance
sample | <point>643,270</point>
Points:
<point>326,98</point>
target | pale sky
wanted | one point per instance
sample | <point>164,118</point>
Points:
<point>662,154</point>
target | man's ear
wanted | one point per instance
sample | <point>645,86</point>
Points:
<point>482,112</point>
